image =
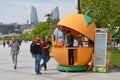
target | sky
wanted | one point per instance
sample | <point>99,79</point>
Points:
<point>18,11</point>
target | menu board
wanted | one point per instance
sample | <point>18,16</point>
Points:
<point>100,49</point>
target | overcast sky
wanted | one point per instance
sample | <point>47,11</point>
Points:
<point>18,11</point>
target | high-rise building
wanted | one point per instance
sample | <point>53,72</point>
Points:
<point>33,16</point>
<point>55,13</point>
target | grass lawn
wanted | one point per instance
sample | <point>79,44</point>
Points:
<point>115,58</point>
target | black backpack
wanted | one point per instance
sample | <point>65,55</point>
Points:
<point>35,48</point>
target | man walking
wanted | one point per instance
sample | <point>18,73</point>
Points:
<point>14,51</point>
<point>46,52</point>
<point>35,49</point>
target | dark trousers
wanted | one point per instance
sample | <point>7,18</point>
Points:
<point>46,58</point>
<point>70,56</point>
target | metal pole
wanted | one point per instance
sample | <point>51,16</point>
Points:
<point>79,7</point>
<point>48,19</point>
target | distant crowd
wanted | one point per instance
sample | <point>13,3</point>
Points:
<point>4,43</point>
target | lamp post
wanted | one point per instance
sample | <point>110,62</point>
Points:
<point>48,17</point>
<point>79,7</point>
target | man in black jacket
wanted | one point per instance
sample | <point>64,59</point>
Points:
<point>70,41</point>
<point>37,53</point>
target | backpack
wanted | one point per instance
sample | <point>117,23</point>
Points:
<point>35,48</point>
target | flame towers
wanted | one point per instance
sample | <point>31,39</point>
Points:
<point>55,13</point>
<point>33,16</point>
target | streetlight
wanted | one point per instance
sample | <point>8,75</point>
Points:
<point>79,7</point>
<point>48,17</point>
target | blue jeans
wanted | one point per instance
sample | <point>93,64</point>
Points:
<point>38,58</point>
<point>46,58</point>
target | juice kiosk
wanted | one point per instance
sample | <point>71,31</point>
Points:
<point>82,28</point>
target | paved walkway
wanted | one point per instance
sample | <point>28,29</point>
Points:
<point>25,70</point>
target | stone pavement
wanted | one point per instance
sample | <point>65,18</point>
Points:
<point>25,69</point>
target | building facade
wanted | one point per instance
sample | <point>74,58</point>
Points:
<point>55,13</point>
<point>33,15</point>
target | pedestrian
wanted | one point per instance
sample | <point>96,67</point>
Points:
<point>36,50</point>
<point>8,42</point>
<point>46,52</point>
<point>70,41</point>
<point>14,51</point>
<point>4,43</point>
<point>19,41</point>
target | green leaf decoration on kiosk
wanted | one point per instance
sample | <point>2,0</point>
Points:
<point>87,18</point>
<point>100,69</point>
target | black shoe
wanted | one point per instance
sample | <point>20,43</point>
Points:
<point>15,67</point>
<point>38,73</point>
<point>45,69</point>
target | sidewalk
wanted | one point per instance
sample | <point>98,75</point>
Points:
<point>25,69</point>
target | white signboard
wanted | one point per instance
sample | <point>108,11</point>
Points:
<point>100,49</point>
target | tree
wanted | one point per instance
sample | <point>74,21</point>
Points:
<point>6,38</point>
<point>41,28</point>
<point>52,25</point>
<point>105,13</point>
<point>25,36</point>
<point>45,28</point>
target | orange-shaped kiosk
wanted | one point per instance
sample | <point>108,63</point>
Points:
<point>83,56</point>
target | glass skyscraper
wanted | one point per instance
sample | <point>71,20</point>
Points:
<point>33,15</point>
<point>55,13</point>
